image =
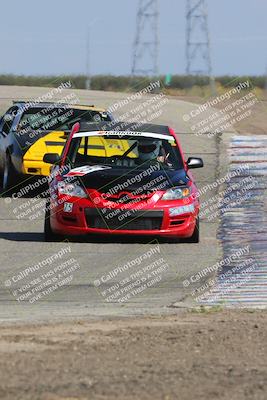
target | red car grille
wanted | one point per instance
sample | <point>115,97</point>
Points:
<point>138,220</point>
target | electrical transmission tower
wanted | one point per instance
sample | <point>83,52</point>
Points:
<point>146,44</point>
<point>198,61</point>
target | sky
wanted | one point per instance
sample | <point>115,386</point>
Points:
<point>49,37</point>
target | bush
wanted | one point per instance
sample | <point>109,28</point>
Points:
<point>126,83</point>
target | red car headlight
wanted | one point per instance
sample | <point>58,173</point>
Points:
<point>176,193</point>
<point>70,189</point>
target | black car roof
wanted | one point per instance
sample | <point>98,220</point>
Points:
<point>123,127</point>
<point>34,104</point>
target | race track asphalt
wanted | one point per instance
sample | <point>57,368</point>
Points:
<point>22,245</point>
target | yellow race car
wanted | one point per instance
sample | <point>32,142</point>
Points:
<point>28,131</point>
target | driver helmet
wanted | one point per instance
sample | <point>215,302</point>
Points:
<point>149,149</point>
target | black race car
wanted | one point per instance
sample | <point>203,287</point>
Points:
<point>29,130</point>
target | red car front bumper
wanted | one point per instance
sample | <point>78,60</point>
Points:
<point>85,218</point>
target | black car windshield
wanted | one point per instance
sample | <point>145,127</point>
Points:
<point>58,118</point>
<point>124,151</point>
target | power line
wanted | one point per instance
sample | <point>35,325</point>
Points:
<point>146,44</point>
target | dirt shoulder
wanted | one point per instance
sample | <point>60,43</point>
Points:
<point>255,124</point>
<point>212,355</point>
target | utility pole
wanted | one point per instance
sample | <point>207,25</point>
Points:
<point>146,44</point>
<point>88,72</point>
<point>265,84</point>
<point>198,59</point>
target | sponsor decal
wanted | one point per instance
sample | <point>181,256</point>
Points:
<point>121,134</point>
<point>86,169</point>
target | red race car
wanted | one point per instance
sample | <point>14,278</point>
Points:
<point>121,178</point>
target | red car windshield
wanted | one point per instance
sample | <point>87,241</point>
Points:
<point>125,151</point>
